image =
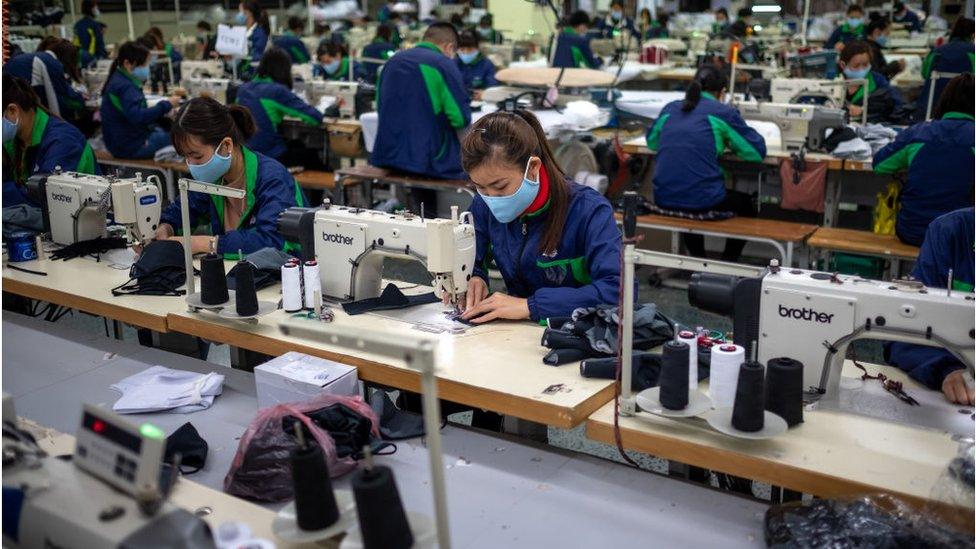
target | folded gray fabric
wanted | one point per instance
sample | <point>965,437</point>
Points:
<point>853,149</point>
<point>876,135</point>
<point>22,217</point>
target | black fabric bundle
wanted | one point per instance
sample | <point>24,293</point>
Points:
<point>191,447</point>
<point>395,424</point>
<point>645,369</point>
<point>94,247</point>
<point>748,411</point>
<point>391,298</point>
<point>160,270</point>
<point>674,375</point>
<point>784,389</point>
<point>591,332</point>
<point>348,429</point>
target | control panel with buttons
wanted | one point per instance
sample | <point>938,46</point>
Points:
<point>127,456</point>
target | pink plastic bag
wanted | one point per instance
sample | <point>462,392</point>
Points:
<point>261,470</point>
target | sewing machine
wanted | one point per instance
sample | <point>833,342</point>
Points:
<point>78,205</point>
<point>351,244</point>
<point>813,317</point>
<point>108,495</point>
<point>353,97</point>
<point>95,77</point>
<point>207,87</point>
<point>301,72</point>
<point>829,93</point>
<point>800,124</point>
<point>211,68</point>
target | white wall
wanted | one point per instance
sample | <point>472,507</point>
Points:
<point>515,18</point>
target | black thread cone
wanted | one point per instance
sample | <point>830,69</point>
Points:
<point>748,410</point>
<point>674,375</point>
<point>246,294</point>
<point>382,520</point>
<point>213,281</point>
<point>315,503</point>
<point>784,389</point>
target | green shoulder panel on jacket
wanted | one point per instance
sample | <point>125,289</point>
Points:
<point>577,266</point>
<point>441,98</point>
<point>654,137</point>
<point>579,60</point>
<point>298,54</point>
<point>116,102</point>
<point>277,112</point>
<point>86,164</point>
<point>901,160</point>
<point>725,135</point>
<point>927,65</point>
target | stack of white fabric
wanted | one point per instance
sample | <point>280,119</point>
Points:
<point>159,389</point>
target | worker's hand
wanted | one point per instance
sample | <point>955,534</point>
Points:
<point>855,110</point>
<point>496,306</point>
<point>955,389</point>
<point>174,100</point>
<point>164,231</point>
<point>476,292</point>
<point>839,46</point>
<point>199,244</point>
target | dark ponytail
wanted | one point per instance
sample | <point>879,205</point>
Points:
<point>16,91</point>
<point>207,121</point>
<point>133,52</point>
<point>709,79</point>
<point>513,138</point>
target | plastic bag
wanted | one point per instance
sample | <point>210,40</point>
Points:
<point>261,469</point>
<point>886,210</point>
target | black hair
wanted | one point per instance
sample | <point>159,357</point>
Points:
<point>441,33</point>
<point>876,21</point>
<point>854,48</point>
<point>957,96</point>
<point>88,7</point>
<point>617,3</point>
<point>66,52</point>
<point>276,65</point>
<point>133,52</point>
<point>384,32</point>
<point>962,29</point>
<point>898,6</point>
<point>486,19</point>
<point>295,23</point>
<point>204,25</point>
<point>259,13</point>
<point>578,18</point>
<point>854,8</point>
<point>468,39</point>
<point>331,49</point>
<point>18,91</point>
<point>709,79</point>
<point>457,21</point>
<point>744,12</point>
<point>155,35</point>
<point>208,121</point>
<point>723,11</point>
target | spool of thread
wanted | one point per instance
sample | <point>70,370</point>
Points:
<point>213,280</point>
<point>674,375</point>
<point>382,520</point>
<point>246,294</point>
<point>311,282</point>
<point>749,409</point>
<point>315,503</point>
<point>291,287</point>
<point>784,389</point>
<point>724,373</point>
<point>691,339</point>
<point>22,246</point>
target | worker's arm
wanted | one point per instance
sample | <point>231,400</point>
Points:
<point>172,216</point>
<point>593,61</point>
<point>445,87</point>
<point>832,39</point>
<point>897,156</point>
<point>489,79</point>
<point>132,104</point>
<point>654,134</point>
<point>732,131</point>
<point>272,196</point>
<point>287,103</point>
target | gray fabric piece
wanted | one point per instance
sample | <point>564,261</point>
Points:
<point>854,149</point>
<point>395,424</point>
<point>603,334</point>
<point>22,218</point>
<point>267,258</point>
<point>876,135</point>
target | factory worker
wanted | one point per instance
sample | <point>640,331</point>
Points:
<point>49,77</point>
<point>88,34</point>
<point>477,71</point>
<point>948,246</point>
<point>883,98</point>
<point>955,57</point>
<point>255,19</point>
<point>333,63</point>
<point>555,243</point>
<point>616,23</point>
<point>907,17</point>
<point>742,27</point>
<point>721,23</point>
<point>128,124</point>
<point>851,29</point>
<point>486,30</point>
<point>269,98</point>
<point>689,137</point>
<point>291,41</point>
<point>650,28</point>
<point>573,44</point>
<point>211,137</point>
<point>876,35</point>
<point>938,158</point>
<point>35,141</point>
<point>380,48</point>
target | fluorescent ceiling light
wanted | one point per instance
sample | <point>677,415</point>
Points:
<point>766,8</point>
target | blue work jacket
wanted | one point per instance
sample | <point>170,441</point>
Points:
<point>479,74</point>
<point>269,103</point>
<point>22,66</point>
<point>573,51</point>
<point>126,120</point>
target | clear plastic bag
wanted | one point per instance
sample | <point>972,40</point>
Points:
<point>261,469</point>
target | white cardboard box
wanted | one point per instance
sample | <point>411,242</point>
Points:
<point>295,377</point>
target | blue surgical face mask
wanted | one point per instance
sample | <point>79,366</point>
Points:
<point>484,32</point>
<point>96,12</point>
<point>507,208</point>
<point>616,15</point>
<point>856,74</point>
<point>142,73</point>
<point>882,40</point>
<point>854,22</point>
<point>468,57</point>
<point>9,129</point>
<point>332,67</point>
<point>211,170</point>
<point>240,18</point>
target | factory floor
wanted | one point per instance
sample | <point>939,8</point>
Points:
<point>671,298</point>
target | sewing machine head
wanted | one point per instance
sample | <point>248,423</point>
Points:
<point>830,93</point>
<point>196,69</point>
<point>77,205</point>
<point>210,87</point>
<point>812,316</point>
<point>351,243</point>
<point>799,124</point>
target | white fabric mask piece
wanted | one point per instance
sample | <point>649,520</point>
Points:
<point>159,389</point>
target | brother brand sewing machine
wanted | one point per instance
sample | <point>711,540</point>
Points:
<point>195,69</point>
<point>78,205</point>
<point>808,90</point>
<point>812,317</point>
<point>108,495</point>
<point>350,245</point>
<point>800,124</point>
<point>211,87</point>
